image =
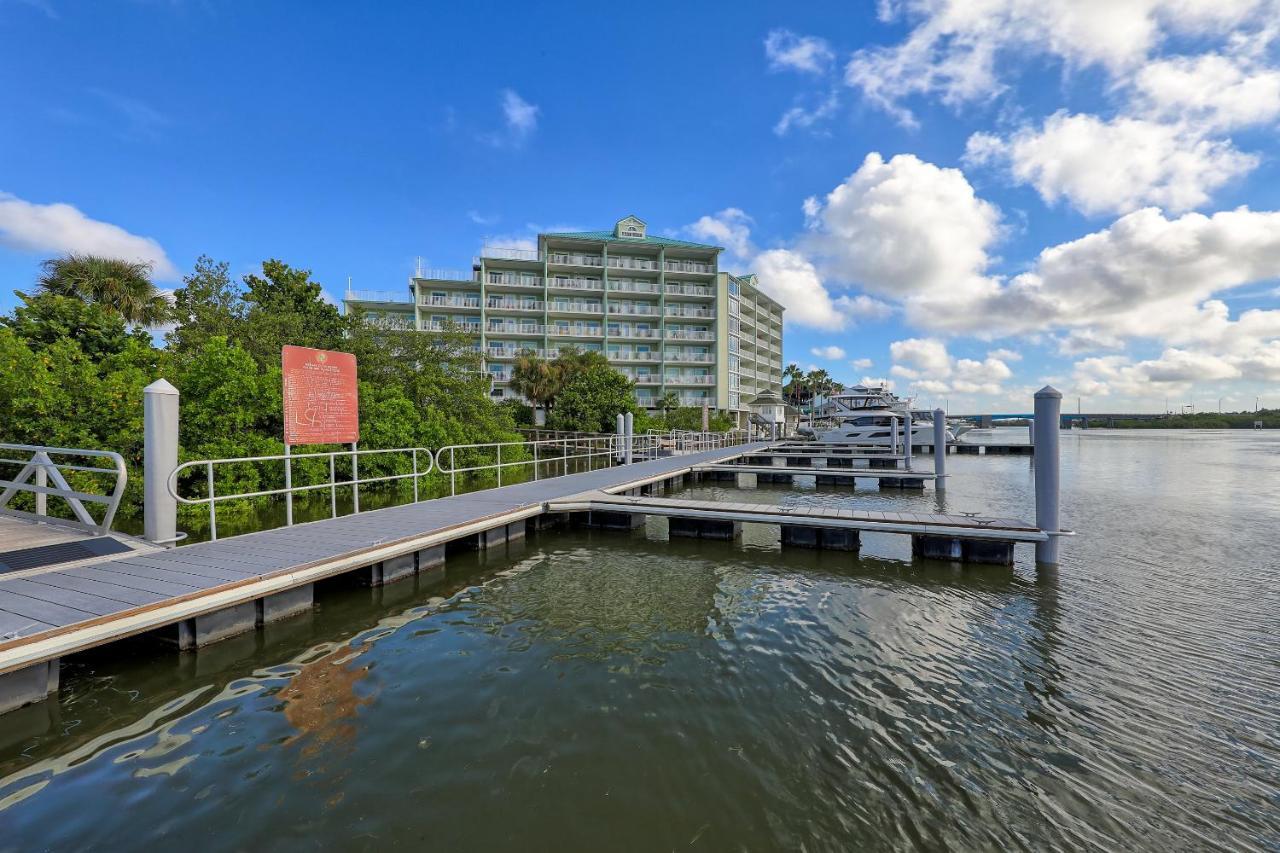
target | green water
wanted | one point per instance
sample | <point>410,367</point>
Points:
<point>590,690</point>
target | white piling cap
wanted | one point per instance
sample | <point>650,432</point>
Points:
<point>1049,391</point>
<point>160,386</point>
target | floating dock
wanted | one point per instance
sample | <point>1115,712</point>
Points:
<point>201,593</point>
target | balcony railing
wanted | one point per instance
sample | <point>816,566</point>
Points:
<point>632,332</point>
<point>576,331</point>
<point>509,280</point>
<point>393,324</point>
<point>643,378</point>
<point>500,375</point>
<point>690,379</point>
<point>679,311</point>
<point>573,259</point>
<point>683,335</point>
<point>691,357</point>
<point>625,262</point>
<point>376,296</point>
<point>515,328</point>
<point>640,310</point>
<point>451,301</point>
<point>576,307</point>
<point>632,355</point>
<point>575,284</point>
<point>503,253</point>
<point>635,286</point>
<point>514,304</point>
<point>689,266</point>
<point>695,400</point>
<point>674,289</point>
<point>446,275</point>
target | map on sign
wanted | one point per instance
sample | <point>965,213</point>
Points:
<point>321,396</point>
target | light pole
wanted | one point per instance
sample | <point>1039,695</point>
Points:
<point>1219,405</point>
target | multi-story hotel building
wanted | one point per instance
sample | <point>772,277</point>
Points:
<point>659,308</point>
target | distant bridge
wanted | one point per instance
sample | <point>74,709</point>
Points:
<point>1067,419</point>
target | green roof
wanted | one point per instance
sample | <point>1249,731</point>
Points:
<point>610,237</point>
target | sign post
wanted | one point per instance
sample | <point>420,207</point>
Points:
<point>321,406</point>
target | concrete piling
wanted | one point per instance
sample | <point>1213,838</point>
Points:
<point>939,449</point>
<point>1048,411</point>
<point>159,458</point>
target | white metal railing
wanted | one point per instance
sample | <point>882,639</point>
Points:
<point>212,499</point>
<point>576,331</point>
<point>503,253</point>
<point>575,259</point>
<point>537,457</point>
<point>684,335</point>
<point>626,262</point>
<point>375,296</point>
<point>445,275</point>
<point>676,311</point>
<point>694,357</point>
<point>575,284</point>
<point>640,310</point>
<point>689,290</point>
<point>511,280</point>
<point>690,379</point>
<point>402,324</point>
<point>576,307</point>
<point>689,266</point>
<point>514,304</point>
<point>634,286</point>
<point>643,378</point>
<point>515,328</point>
<point>452,301</point>
<point>38,470</point>
<point>632,355</point>
<point>433,326</point>
<point>500,375</point>
<point>632,332</point>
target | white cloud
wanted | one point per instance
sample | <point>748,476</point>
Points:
<point>793,280</point>
<point>831,352</point>
<point>730,228</point>
<point>805,117</point>
<point>915,358</point>
<point>861,364</point>
<point>1005,354</point>
<point>926,363</point>
<point>520,120</point>
<point>1114,166</point>
<point>62,228</point>
<point>786,50</point>
<point>1212,90</point>
<point>956,46</point>
<point>903,229</point>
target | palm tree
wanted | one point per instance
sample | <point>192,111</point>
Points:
<point>538,381</point>
<point>793,376</point>
<point>668,402</point>
<point>123,287</point>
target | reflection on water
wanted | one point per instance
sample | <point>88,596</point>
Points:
<point>598,690</point>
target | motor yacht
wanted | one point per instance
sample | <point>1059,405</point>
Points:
<point>866,415</point>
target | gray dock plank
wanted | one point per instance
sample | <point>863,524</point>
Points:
<point>124,594</point>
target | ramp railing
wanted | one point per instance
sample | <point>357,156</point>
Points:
<point>421,460</point>
<point>39,469</point>
<point>542,459</point>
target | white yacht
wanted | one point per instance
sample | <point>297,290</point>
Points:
<point>866,415</point>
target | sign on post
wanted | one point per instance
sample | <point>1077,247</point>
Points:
<point>321,396</point>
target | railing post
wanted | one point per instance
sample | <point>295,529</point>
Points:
<point>159,458</point>
<point>621,431</point>
<point>42,480</point>
<point>1048,411</point>
<point>333,488</point>
<point>630,423</point>
<point>939,449</point>
<point>499,465</point>
<point>213,505</point>
<point>906,440</point>
<point>355,479</point>
<point>415,475</point>
<point>288,487</point>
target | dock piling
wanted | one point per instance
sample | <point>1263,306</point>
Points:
<point>1048,411</point>
<point>159,458</point>
<point>939,449</point>
<point>906,440</point>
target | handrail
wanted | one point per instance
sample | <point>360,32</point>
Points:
<point>356,481</point>
<point>42,467</point>
<point>546,452</point>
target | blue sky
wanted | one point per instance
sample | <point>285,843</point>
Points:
<point>966,205</point>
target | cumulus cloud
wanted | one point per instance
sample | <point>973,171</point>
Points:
<point>788,51</point>
<point>1114,166</point>
<point>730,228</point>
<point>831,352</point>
<point>930,369</point>
<point>62,228</point>
<point>1213,90</point>
<point>861,364</point>
<point>520,120</point>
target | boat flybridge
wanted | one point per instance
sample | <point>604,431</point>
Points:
<point>872,415</point>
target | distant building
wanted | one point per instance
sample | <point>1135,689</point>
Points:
<point>660,309</point>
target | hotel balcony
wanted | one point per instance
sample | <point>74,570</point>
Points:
<point>433,326</point>
<point>503,279</point>
<point>697,267</point>
<point>504,352</point>
<point>573,259</point>
<point>625,286</point>
<point>498,328</point>
<point>633,355</point>
<point>574,284</point>
<point>681,311</point>
<point>695,290</point>
<point>575,307</point>
<point>690,379</point>
<point>501,253</point>
<point>637,310</point>
<point>576,331</point>
<point>450,302</point>
<point>500,375</point>
<point>391,297</point>
<point>391,323</point>
<point>690,357</point>
<point>625,262</point>
<point>685,335</point>
<point>514,304</point>
<point>696,400</point>
<point>642,378</point>
<point>633,332</point>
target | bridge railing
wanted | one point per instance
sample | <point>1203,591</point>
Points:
<point>37,470</point>
<point>540,459</point>
<point>421,459</point>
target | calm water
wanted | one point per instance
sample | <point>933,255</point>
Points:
<point>592,690</point>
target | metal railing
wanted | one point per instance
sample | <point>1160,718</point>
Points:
<point>537,457</point>
<point>503,253</point>
<point>39,469</point>
<point>375,296</point>
<point>444,275</point>
<point>212,499</point>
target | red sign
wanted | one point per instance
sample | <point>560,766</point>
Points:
<point>321,396</point>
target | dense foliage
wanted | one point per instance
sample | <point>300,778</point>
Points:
<point>1270,419</point>
<point>72,372</point>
